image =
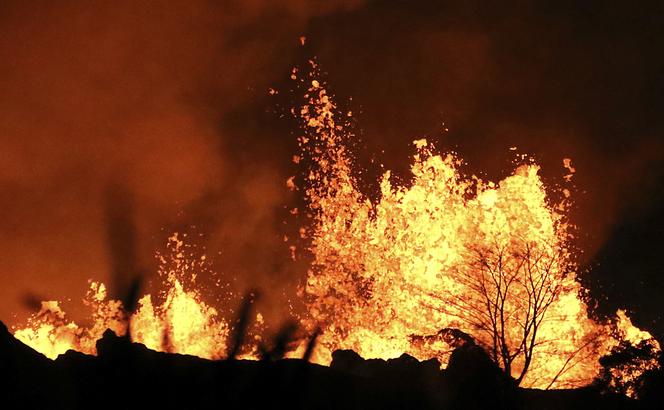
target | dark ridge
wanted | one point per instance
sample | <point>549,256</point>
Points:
<point>128,375</point>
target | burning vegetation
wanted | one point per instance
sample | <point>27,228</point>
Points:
<point>444,262</point>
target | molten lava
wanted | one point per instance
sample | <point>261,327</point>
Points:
<point>182,323</point>
<point>444,254</point>
<point>492,260</point>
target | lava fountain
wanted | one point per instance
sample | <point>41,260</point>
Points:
<point>181,323</point>
<point>444,256</point>
<point>447,252</point>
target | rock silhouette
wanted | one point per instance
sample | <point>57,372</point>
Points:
<point>127,375</point>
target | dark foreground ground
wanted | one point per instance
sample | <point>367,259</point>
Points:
<point>128,375</point>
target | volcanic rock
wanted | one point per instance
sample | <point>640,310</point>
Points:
<point>27,376</point>
<point>477,382</point>
<point>128,375</point>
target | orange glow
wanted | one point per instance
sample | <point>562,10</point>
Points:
<point>388,276</point>
<point>182,323</point>
<point>49,332</point>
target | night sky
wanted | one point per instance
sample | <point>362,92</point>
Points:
<point>167,103</point>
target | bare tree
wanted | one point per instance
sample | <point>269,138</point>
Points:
<point>503,297</point>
